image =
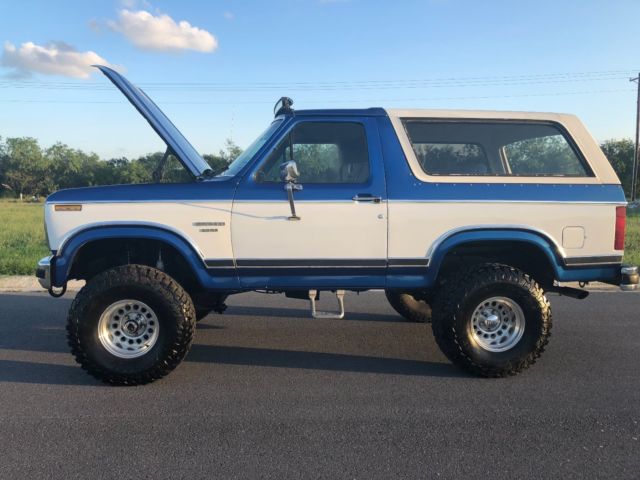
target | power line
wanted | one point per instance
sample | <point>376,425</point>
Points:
<point>333,100</point>
<point>317,87</point>
<point>441,82</point>
<point>491,77</point>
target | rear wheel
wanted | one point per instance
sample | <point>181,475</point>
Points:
<point>493,321</point>
<point>411,308</point>
<point>130,325</point>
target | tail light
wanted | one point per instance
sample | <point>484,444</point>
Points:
<point>621,221</point>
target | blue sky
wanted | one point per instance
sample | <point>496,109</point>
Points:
<point>219,76</point>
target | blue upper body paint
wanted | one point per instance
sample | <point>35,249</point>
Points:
<point>391,179</point>
<point>394,171</point>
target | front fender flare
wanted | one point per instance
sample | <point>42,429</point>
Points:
<point>64,258</point>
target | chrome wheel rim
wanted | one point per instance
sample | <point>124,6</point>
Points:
<point>128,328</point>
<point>497,324</point>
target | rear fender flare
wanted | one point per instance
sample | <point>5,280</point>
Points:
<point>539,240</point>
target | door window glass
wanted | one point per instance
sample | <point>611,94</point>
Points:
<point>325,152</point>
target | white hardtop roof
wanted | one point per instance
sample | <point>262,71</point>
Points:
<point>604,173</point>
<point>491,114</point>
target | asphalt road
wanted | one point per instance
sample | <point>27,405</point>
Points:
<point>268,393</point>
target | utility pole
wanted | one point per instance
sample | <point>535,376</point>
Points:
<point>634,178</point>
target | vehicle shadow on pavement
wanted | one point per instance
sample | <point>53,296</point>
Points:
<point>35,323</point>
<point>286,312</point>
<point>208,326</point>
<point>43,373</point>
<point>267,357</point>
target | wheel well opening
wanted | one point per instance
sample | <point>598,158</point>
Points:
<point>527,257</point>
<point>100,255</point>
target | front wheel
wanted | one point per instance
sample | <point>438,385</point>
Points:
<point>130,325</point>
<point>493,321</point>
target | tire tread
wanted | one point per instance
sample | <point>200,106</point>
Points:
<point>181,307</point>
<point>448,300</point>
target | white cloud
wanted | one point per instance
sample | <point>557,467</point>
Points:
<point>55,58</point>
<point>229,15</point>
<point>162,33</point>
<point>134,3</point>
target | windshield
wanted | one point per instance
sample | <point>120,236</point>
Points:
<point>245,157</point>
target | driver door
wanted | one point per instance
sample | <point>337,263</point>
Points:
<point>340,238</point>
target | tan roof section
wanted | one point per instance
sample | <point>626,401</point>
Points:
<point>477,114</point>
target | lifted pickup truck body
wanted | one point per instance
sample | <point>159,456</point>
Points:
<point>403,197</point>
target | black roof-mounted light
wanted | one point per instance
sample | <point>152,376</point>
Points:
<point>283,106</point>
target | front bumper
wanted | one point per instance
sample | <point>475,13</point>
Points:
<point>629,278</point>
<point>43,272</point>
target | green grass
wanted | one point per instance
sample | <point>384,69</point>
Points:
<point>22,241</point>
<point>632,239</point>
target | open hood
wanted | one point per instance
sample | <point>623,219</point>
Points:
<point>175,141</point>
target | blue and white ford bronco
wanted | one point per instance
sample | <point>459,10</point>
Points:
<point>464,218</point>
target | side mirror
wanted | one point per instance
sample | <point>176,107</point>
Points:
<point>289,172</point>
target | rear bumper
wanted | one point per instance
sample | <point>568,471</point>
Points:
<point>43,272</point>
<point>629,278</point>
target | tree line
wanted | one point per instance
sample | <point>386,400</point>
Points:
<point>27,169</point>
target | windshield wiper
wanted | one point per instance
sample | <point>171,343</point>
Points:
<point>208,173</point>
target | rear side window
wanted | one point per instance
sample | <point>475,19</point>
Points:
<point>494,148</point>
<point>452,158</point>
<point>547,155</point>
